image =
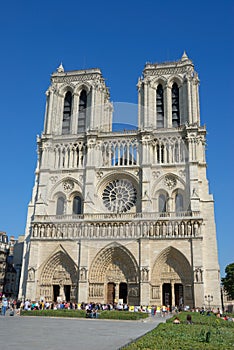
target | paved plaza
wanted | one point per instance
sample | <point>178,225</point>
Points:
<point>34,333</point>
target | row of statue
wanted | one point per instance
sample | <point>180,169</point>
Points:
<point>118,230</point>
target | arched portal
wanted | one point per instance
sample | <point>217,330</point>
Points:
<point>114,276</point>
<point>171,279</point>
<point>58,279</point>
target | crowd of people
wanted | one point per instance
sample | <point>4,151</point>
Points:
<point>93,309</point>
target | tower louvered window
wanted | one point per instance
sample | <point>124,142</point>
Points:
<point>175,105</point>
<point>82,111</point>
<point>160,107</point>
<point>67,113</point>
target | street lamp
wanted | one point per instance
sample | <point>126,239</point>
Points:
<point>209,298</point>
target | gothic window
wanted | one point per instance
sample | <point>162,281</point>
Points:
<point>162,203</point>
<point>119,196</point>
<point>67,113</point>
<point>77,205</point>
<point>179,202</point>
<point>82,111</point>
<point>160,106</point>
<point>175,105</point>
<point>60,206</point>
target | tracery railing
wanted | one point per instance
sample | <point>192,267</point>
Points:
<point>169,150</point>
<point>120,152</point>
<point>69,155</point>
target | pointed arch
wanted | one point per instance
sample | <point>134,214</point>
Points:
<point>65,88</point>
<point>59,267</point>
<point>59,188</point>
<point>117,256</point>
<point>84,86</point>
<point>175,79</point>
<point>171,264</point>
<point>159,80</point>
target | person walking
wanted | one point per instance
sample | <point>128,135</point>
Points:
<point>4,306</point>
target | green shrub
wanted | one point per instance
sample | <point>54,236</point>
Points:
<point>112,315</point>
<point>122,315</point>
<point>55,313</point>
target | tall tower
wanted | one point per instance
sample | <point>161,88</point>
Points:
<point>122,216</point>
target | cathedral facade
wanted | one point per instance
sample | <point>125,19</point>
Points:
<point>125,215</point>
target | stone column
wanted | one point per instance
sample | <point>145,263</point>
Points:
<point>172,294</point>
<point>74,117</point>
<point>117,292</point>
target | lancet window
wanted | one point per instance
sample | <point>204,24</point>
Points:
<point>175,105</point>
<point>160,106</point>
<point>60,206</point>
<point>162,203</point>
<point>77,205</point>
<point>179,202</point>
<point>82,111</point>
<point>67,113</point>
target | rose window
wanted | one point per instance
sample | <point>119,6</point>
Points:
<point>119,196</point>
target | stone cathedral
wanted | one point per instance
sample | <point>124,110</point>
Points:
<point>122,215</point>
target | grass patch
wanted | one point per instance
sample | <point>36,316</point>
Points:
<point>111,315</point>
<point>206,332</point>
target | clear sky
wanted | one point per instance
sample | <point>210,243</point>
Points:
<point>119,37</point>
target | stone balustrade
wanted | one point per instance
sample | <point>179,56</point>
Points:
<point>117,216</point>
<point>154,227</point>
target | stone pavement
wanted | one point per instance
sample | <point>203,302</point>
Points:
<point>34,333</point>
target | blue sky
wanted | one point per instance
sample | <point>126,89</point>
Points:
<point>118,37</point>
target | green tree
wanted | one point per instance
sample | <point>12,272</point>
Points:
<point>228,280</point>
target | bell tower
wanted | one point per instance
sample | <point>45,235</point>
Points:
<point>168,95</point>
<point>77,101</point>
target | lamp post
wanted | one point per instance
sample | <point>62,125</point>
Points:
<point>209,298</point>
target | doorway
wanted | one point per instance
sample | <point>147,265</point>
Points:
<point>166,294</point>
<point>67,292</point>
<point>110,293</point>
<point>56,292</point>
<point>179,294</point>
<point>123,292</point>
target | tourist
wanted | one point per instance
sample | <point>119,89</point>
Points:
<point>4,306</point>
<point>176,321</point>
<point>27,305</point>
<point>164,311</point>
<point>189,319</point>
